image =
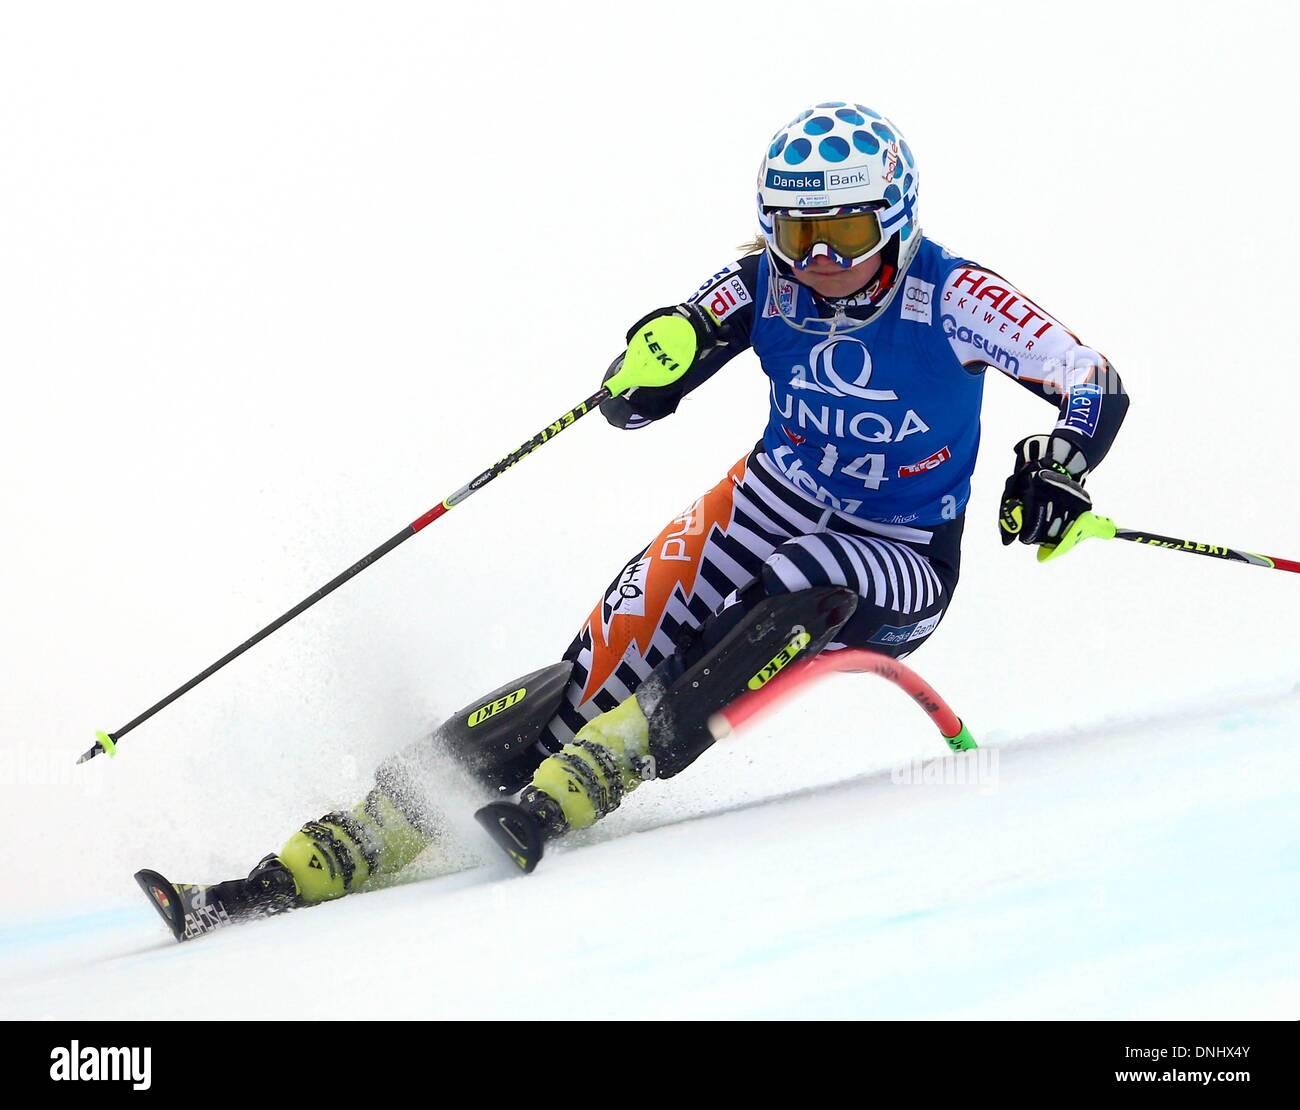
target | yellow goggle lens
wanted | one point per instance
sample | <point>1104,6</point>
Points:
<point>850,236</point>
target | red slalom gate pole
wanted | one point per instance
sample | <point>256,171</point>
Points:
<point>756,703</point>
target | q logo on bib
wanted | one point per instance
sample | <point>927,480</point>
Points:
<point>841,367</point>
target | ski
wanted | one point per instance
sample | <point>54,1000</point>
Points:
<point>188,910</point>
<point>521,828</point>
<point>515,831</point>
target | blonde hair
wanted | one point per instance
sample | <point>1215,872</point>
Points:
<point>755,245</point>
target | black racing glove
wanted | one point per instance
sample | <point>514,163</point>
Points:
<point>1045,493</point>
<point>643,404</point>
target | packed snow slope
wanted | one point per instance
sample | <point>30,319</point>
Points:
<point>279,279</point>
<point>1140,870</point>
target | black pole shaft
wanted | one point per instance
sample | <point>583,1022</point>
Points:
<point>466,491</point>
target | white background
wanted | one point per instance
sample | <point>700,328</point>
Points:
<point>276,278</point>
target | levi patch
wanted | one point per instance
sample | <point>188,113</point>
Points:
<point>1083,409</point>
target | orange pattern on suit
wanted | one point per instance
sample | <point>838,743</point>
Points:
<point>671,562</point>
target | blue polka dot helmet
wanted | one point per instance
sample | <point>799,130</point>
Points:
<point>838,159</point>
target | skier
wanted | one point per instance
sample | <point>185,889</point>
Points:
<point>841,527</point>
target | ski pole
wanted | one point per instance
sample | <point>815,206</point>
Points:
<point>658,353</point>
<point>107,741</point>
<point>1092,526</point>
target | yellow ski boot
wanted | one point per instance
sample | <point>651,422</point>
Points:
<point>573,789</point>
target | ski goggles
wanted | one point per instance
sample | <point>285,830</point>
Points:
<point>846,235</point>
